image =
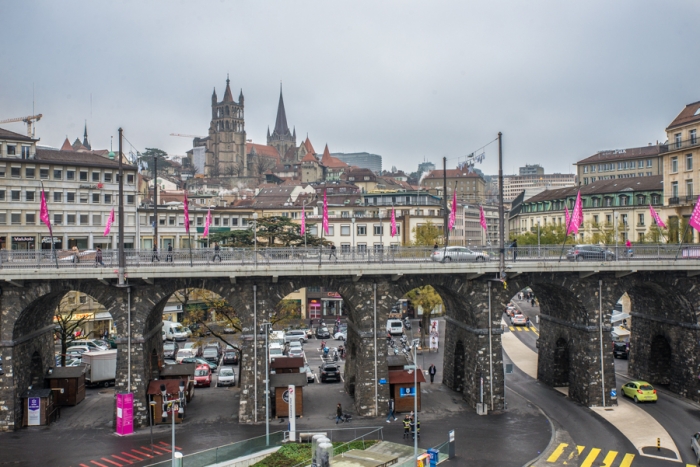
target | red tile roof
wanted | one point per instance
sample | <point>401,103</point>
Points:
<point>332,162</point>
<point>308,146</point>
<point>403,377</point>
<point>262,150</point>
<point>66,145</point>
<point>309,157</point>
<point>690,114</point>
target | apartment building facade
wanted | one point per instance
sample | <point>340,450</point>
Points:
<point>470,186</point>
<point>644,161</point>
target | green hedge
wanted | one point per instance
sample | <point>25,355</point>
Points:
<point>292,454</point>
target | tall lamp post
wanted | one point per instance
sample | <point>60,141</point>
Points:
<point>415,397</point>
<point>255,237</point>
<point>266,326</point>
<point>538,238</point>
<point>353,237</point>
<point>175,406</point>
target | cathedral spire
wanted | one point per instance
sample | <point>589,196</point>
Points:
<point>85,137</point>
<point>240,97</point>
<point>228,97</point>
<point>213,96</point>
<point>281,127</point>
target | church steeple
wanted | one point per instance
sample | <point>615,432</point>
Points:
<point>281,138</point>
<point>281,127</point>
<point>213,97</point>
<point>86,143</point>
<point>228,97</point>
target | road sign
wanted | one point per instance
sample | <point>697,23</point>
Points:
<point>613,394</point>
<point>382,381</point>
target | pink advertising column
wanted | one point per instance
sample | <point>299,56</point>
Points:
<point>125,414</point>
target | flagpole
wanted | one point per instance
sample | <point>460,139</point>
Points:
<point>682,239</point>
<point>53,251</point>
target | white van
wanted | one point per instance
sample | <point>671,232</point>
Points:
<point>277,337</point>
<point>174,331</point>
<point>394,326</point>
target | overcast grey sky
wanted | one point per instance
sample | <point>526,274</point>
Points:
<point>405,79</point>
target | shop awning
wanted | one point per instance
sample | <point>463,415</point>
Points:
<point>102,315</point>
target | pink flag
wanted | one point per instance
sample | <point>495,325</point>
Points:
<point>207,223</point>
<point>576,216</point>
<point>695,216</point>
<point>453,213</point>
<point>567,216</point>
<point>325,213</point>
<point>44,213</point>
<point>187,214</point>
<point>110,220</point>
<point>394,230</point>
<point>303,222</point>
<point>482,218</point>
<point>656,217</point>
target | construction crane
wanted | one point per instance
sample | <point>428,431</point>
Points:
<point>187,136</point>
<point>28,120</point>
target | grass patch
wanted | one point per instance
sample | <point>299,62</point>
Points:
<point>292,454</point>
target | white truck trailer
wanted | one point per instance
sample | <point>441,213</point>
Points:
<point>101,367</point>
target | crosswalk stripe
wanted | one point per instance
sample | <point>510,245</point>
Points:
<point>588,462</point>
<point>526,329</point>
<point>609,459</point>
<point>557,452</point>
<point>580,449</point>
<point>511,328</point>
<point>627,460</point>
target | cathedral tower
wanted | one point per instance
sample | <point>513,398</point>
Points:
<point>225,155</point>
<point>282,139</point>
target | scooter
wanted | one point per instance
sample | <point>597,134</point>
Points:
<point>407,323</point>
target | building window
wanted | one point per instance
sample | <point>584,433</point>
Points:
<point>2,195</point>
<point>84,219</point>
<point>107,177</point>
<point>83,176</point>
<point>57,196</point>
<point>217,221</point>
<point>29,172</point>
<point>130,178</point>
<point>200,220</point>
<point>345,230</point>
<point>640,219</point>
<point>70,174</point>
<point>689,188</point>
<point>331,230</point>
<point>70,219</point>
<point>16,172</point>
<point>2,172</point>
<point>361,230</point>
<point>29,196</point>
<point>677,137</point>
<point>585,169</point>
<point>608,218</point>
<point>44,174</point>
<point>25,152</point>
<point>70,197</point>
<point>693,137</point>
<point>97,219</point>
<point>58,219</point>
<point>345,248</point>
<point>11,150</point>
<point>30,218</point>
<point>95,176</point>
<point>57,174</point>
<point>129,199</point>
<point>15,195</point>
<point>379,230</point>
<point>595,219</point>
<point>640,164</point>
<point>674,189</point>
<point>224,221</point>
<point>83,299</point>
<point>108,199</point>
<point>608,202</point>
<point>234,221</point>
<point>83,198</point>
<point>96,198</point>
<point>674,164</point>
<point>362,248</point>
<point>640,237</point>
<point>623,200</point>
<point>655,199</point>
<point>689,162</point>
<point>15,218</point>
<point>650,162</point>
<point>171,220</point>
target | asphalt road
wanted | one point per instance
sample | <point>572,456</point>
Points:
<point>678,416</point>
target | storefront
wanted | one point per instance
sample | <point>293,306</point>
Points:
<point>23,243</point>
<point>3,243</point>
<point>80,242</point>
<point>332,304</point>
<point>57,243</point>
<point>101,242</point>
<point>314,308</point>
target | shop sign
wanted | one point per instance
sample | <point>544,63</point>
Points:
<point>48,240</point>
<point>334,294</point>
<point>34,409</point>
<point>87,186</point>
<point>23,239</point>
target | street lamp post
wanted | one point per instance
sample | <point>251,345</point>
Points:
<point>415,398</point>
<point>266,325</point>
<point>176,408</point>
<point>353,237</point>
<point>538,238</point>
<point>255,237</point>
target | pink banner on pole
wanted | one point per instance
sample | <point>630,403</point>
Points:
<point>656,217</point>
<point>44,212</point>
<point>393,223</point>
<point>207,224</point>
<point>303,222</point>
<point>576,216</point>
<point>567,216</point>
<point>695,216</point>
<point>482,218</point>
<point>453,213</point>
<point>110,220</point>
<point>325,213</point>
<point>187,214</point>
<point>125,414</point>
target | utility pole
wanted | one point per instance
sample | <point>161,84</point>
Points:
<point>444,200</point>
<point>121,212</point>
<point>155,204</point>
<point>501,227</point>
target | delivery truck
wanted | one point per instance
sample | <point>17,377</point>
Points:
<point>101,367</point>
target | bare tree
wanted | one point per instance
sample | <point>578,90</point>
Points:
<point>232,169</point>
<point>68,321</point>
<point>261,164</point>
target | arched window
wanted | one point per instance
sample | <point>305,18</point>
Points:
<point>227,110</point>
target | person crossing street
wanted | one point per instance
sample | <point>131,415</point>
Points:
<point>431,371</point>
<point>391,411</point>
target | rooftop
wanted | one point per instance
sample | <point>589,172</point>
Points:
<point>7,134</point>
<point>690,114</point>
<point>603,186</point>
<point>623,154</point>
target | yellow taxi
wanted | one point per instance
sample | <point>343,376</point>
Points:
<point>640,391</point>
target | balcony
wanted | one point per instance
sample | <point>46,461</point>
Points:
<point>679,145</point>
<point>674,200</point>
<point>690,199</point>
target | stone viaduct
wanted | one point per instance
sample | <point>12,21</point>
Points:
<point>665,346</point>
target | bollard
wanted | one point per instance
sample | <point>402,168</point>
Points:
<point>451,453</point>
<point>178,459</point>
<point>658,444</point>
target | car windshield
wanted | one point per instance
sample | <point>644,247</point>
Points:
<point>646,387</point>
<point>275,351</point>
<point>226,373</point>
<point>210,352</point>
<point>324,329</point>
<point>201,372</point>
<point>188,345</point>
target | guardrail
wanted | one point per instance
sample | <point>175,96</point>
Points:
<point>44,259</point>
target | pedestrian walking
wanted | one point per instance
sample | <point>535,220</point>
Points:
<point>406,426</point>
<point>332,254</point>
<point>628,245</point>
<point>216,253</point>
<point>155,254</point>
<point>76,255</point>
<point>514,246</point>
<point>435,247</point>
<point>527,322</point>
<point>98,257</point>
<point>532,302</point>
<point>431,371</point>
<point>413,427</point>
<point>338,413</point>
<point>169,256</point>
<point>391,411</point>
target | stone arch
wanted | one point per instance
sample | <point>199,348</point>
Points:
<point>660,360</point>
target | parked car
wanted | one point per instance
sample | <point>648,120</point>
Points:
<point>77,350</point>
<point>187,331</point>
<point>184,353</point>
<point>695,446</point>
<point>93,344</point>
<point>210,354</point>
<point>229,330</point>
<point>518,320</point>
<point>202,376</point>
<point>230,357</point>
<point>394,327</point>
<point>310,376</point>
<point>640,391</point>
<point>329,372</point>
<point>194,347</point>
<point>298,335</point>
<point>457,253</point>
<point>275,351</point>
<point>340,327</point>
<point>621,350</point>
<point>341,335</point>
<point>216,345</point>
<point>227,377</point>
<point>590,252</point>
<point>173,331</point>
<point>200,361</point>
<point>170,350</point>
<point>295,350</point>
<point>322,333</point>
